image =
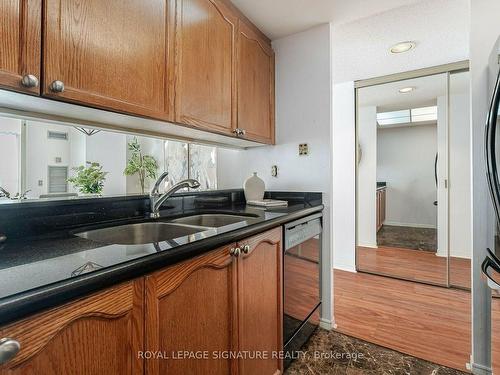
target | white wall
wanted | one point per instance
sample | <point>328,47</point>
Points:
<point>303,115</point>
<point>367,177</point>
<point>459,171</point>
<point>109,150</point>
<point>360,48</point>
<point>344,192</point>
<point>229,173</point>
<point>10,155</point>
<point>42,152</point>
<point>405,160</point>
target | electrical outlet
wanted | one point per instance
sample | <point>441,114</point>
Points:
<point>274,171</point>
<point>303,149</point>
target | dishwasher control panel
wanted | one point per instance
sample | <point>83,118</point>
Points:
<point>301,232</point>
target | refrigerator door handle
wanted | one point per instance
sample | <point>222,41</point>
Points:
<point>490,150</point>
<point>486,265</point>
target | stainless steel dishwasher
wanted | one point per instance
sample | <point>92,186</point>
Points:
<point>301,282</point>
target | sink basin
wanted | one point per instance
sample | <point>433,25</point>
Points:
<point>211,220</point>
<point>143,233</point>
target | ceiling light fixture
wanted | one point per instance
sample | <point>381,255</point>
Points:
<point>405,90</point>
<point>403,47</point>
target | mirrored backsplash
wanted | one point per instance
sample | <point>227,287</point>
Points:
<point>42,160</point>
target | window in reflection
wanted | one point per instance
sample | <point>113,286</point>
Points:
<point>203,166</point>
<point>46,160</point>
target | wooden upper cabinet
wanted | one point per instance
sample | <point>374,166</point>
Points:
<point>205,65</point>
<point>100,334</point>
<point>111,54</point>
<point>20,40</point>
<point>260,302</point>
<point>191,307</point>
<point>255,80</point>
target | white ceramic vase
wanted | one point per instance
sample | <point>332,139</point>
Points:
<point>254,188</point>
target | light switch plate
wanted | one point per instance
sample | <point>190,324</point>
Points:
<point>303,149</point>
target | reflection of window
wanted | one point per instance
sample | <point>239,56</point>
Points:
<point>176,162</point>
<point>185,160</point>
<point>58,180</point>
<point>203,166</point>
<point>406,116</point>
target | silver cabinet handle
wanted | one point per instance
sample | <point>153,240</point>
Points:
<point>8,349</point>
<point>246,249</point>
<point>57,86</point>
<point>239,132</point>
<point>29,81</point>
<point>235,252</point>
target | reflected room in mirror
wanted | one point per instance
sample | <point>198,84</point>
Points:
<point>413,179</point>
<point>42,160</point>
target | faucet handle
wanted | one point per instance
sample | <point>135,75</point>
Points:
<point>158,182</point>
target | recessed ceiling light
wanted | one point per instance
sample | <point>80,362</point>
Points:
<point>404,90</point>
<point>403,47</point>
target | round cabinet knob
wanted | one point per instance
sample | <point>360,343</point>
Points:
<point>29,81</point>
<point>57,86</point>
<point>246,249</point>
<point>8,349</point>
<point>235,251</point>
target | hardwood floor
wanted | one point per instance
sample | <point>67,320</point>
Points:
<point>413,265</point>
<point>428,322</point>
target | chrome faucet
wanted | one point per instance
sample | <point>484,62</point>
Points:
<point>4,193</point>
<point>157,199</point>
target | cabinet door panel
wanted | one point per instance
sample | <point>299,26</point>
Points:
<point>191,307</point>
<point>260,309</point>
<point>112,54</point>
<point>205,69</point>
<point>20,40</point>
<point>255,86</point>
<point>100,334</point>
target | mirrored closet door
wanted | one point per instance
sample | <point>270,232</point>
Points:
<point>413,156</point>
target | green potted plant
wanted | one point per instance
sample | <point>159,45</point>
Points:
<point>143,165</point>
<point>90,179</point>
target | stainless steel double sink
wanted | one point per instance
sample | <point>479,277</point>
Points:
<point>157,231</point>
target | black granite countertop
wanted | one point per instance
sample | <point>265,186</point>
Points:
<point>46,270</point>
<point>381,185</point>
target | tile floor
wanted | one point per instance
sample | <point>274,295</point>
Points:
<point>333,353</point>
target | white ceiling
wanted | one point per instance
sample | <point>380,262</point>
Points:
<point>279,18</point>
<point>386,97</point>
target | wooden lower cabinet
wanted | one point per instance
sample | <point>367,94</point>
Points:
<point>260,308</point>
<point>381,208</point>
<point>96,335</point>
<point>218,304</point>
<point>196,317</point>
<point>190,309</point>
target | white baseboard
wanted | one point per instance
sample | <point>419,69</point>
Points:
<point>370,245</point>
<point>326,324</point>
<point>480,369</point>
<point>343,267</point>
<point>411,225</point>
